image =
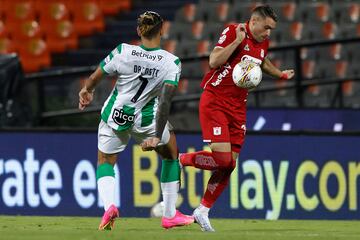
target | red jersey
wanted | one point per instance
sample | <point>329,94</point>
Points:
<point>219,81</point>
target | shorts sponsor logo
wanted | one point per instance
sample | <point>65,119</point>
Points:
<point>122,118</point>
<point>217,131</point>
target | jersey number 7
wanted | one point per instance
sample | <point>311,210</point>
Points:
<point>141,89</point>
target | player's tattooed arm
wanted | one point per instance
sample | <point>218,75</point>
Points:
<point>167,93</point>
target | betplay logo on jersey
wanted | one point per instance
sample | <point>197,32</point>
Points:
<point>121,117</point>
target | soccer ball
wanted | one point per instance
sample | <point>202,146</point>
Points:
<point>247,74</point>
<point>157,210</point>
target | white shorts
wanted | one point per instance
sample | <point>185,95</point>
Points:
<point>111,141</point>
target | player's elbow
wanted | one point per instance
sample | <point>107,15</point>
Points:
<point>213,62</point>
<point>216,60</point>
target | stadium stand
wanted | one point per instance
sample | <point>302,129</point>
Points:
<point>88,17</point>
<point>186,14</point>
<point>61,36</point>
<point>70,33</point>
<point>113,7</point>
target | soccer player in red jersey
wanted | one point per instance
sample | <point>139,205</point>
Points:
<point>222,107</point>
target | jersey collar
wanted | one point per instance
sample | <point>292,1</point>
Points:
<point>248,30</point>
<point>149,49</point>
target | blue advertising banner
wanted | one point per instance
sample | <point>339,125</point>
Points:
<point>306,119</point>
<point>277,177</point>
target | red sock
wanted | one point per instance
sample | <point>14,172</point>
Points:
<point>207,160</point>
<point>202,159</point>
<point>216,185</point>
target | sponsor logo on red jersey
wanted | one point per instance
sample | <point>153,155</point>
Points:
<point>221,75</point>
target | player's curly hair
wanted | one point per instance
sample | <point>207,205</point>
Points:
<point>150,24</point>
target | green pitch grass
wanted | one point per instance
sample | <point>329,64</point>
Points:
<point>83,228</point>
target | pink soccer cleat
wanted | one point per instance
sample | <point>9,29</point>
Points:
<point>177,221</point>
<point>108,219</point>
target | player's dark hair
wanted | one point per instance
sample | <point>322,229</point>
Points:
<point>265,11</point>
<point>150,24</point>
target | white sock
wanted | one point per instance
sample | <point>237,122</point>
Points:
<point>170,194</point>
<point>106,188</point>
<point>203,209</point>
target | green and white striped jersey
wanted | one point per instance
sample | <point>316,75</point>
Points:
<point>141,73</point>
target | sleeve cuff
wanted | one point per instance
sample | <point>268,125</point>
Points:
<point>171,82</point>
<point>102,65</point>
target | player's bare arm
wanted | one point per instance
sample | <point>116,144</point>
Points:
<point>219,55</point>
<point>86,94</point>
<point>273,71</point>
<point>167,93</point>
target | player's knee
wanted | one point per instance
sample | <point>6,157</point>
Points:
<point>224,160</point>
<point>106,158</point>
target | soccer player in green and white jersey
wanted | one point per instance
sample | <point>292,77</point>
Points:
<point>138,107</point>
